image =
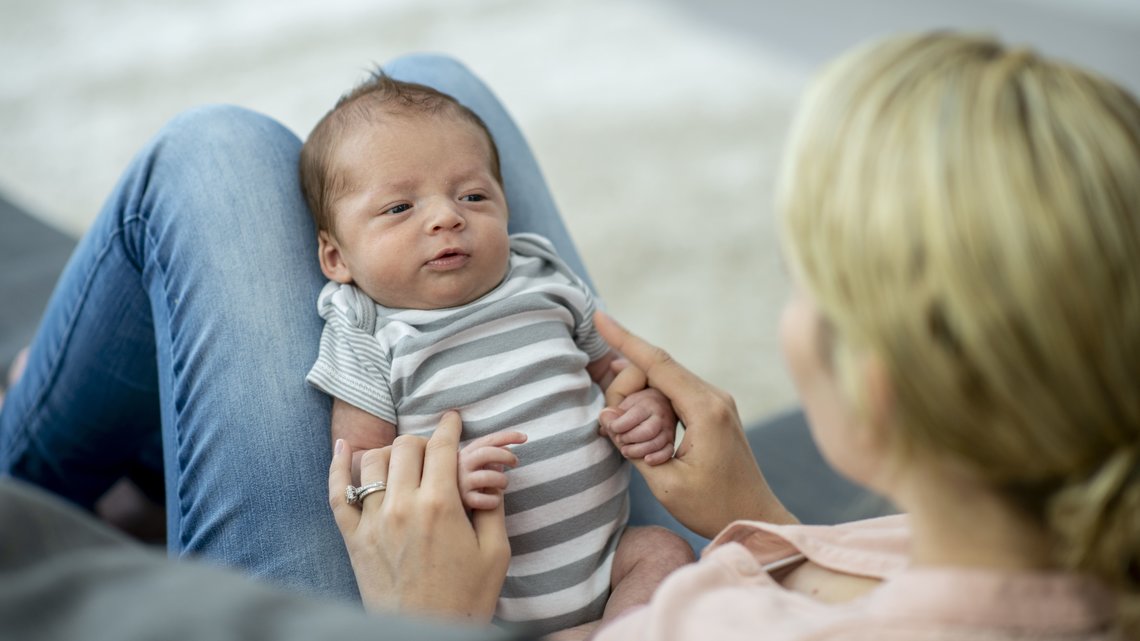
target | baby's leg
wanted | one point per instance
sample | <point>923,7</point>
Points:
<point>644,557</point>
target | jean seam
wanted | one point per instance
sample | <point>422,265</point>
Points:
<point>156,263</point>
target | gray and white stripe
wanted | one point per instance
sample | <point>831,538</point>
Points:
<point>513,360</point>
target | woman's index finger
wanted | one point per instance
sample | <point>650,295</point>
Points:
<point>440,462</point>
<point>664,374</point>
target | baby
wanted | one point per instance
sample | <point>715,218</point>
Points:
<point>433,306</point>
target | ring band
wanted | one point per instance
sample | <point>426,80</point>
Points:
<point>355,495</point>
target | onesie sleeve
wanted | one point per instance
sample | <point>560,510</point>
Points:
<point>352,364</point>
<point>583,304</point>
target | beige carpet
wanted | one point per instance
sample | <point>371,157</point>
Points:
<point>659,137</point>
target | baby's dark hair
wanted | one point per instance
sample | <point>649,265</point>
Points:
<point>378,96</point>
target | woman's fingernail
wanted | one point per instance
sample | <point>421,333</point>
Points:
<point>339,447</point>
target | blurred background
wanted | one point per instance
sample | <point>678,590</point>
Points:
<point>659,124</point>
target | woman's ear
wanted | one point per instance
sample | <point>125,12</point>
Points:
<point>878,391</point>
<point>878,406</point>
<point>332,260</point>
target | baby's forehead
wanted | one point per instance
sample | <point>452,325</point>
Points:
<point>392,113</point>
<point>389,122</point>
<point>348,170</point>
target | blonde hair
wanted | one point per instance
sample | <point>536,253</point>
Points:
<point>971,215</point>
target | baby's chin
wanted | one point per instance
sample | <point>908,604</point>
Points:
<point>441,299</point>
<point>440,293</point>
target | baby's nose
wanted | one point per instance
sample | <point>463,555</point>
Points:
<point>445,217</point>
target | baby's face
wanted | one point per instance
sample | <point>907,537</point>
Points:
<point>423,221</point>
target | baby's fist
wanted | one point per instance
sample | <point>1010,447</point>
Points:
<point>642,426</point>
<point>483,467</point>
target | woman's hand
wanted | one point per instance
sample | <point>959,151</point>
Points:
<point>713,478</point>
<point>413,547</point>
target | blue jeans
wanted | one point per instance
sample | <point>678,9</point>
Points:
<point>191,304</point>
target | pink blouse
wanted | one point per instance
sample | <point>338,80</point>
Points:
<point>729,594</point>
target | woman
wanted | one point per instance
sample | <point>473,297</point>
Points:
<point>963,225</point>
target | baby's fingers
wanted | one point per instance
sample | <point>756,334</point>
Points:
<point>497,439</point>
<point>660,456</point>
<point>632,417</point>
<point>483,480</point>
<point>483,457</point>
<point>643,433</point>
<point>480,501</point>
<point>482,490</point>
<point>640,450</point>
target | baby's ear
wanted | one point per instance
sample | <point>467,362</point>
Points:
<point>332,261</point>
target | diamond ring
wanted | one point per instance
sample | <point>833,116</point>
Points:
<point>355,495</point>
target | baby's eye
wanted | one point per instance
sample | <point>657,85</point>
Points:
<point>474,198</point>
<point>398,209</point>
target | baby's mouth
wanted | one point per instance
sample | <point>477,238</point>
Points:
<point>449,258</point>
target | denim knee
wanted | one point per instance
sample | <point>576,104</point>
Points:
<point>225,127</point>
<point>435,65</point>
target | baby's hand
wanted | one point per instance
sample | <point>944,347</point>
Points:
<point>644,426</point>
<point>483,467</point>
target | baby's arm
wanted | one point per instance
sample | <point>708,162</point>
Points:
<point>361,430</point>
<point>482,469</point>
<point>646,425</point>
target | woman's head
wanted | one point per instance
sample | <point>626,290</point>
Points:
<point>969,216</point>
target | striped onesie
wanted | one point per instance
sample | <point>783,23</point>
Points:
<point>514,359</point>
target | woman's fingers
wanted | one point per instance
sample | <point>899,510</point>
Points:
<point>374,467</point>
<point>340,477</point>
<point>439,468</point>
<point>628,381</point>
<point>695,402</point>
<point>406,464</point>
<point>661,371</point>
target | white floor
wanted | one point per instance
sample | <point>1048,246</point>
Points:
<point>658,125</point>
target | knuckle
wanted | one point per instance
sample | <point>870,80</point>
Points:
<point>435,504</point>
<point>660,356</point>
<point>370,457</point>
<point>726,400</point>
<point>434,444</point>
<point>396,514</point>
<point>404,440</point>
<point>721,405</point>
